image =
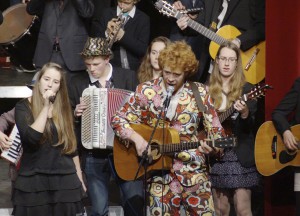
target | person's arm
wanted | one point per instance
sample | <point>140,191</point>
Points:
<point>31,132</point>
<point>256,33</point>
<point>285,107</point>
<point>136,39</point>
<point>130,113</point>
<point>7,121</point>
<point>280,114</point>
<point>29,137</point>
<point>79,171</point>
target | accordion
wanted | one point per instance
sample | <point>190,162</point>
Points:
<point>102,103</point>
<point>15,151</point>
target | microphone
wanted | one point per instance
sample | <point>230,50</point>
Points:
<point>170,91</point>
<point>52,99</point>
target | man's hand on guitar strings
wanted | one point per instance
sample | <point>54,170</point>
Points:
<point>140,143</point>
<point>290,141</point>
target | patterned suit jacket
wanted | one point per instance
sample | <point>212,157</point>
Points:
<point>144,107</point>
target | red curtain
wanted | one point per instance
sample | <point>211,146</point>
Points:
<point>282,67</point>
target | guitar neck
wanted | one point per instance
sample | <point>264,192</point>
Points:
<point>231,110</point>
<point>226,114</point>
<point>202,30</point>
<point>178,147</point>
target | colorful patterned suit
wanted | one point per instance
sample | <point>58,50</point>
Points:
<point>187,180</point>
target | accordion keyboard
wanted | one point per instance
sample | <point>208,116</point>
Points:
<point>96,131</point>
<point>14,153</point>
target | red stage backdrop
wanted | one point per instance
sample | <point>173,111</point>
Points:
<point>282,67</point>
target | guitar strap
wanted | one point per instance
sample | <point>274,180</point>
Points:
<point>201,108</point>
<point>215,14</point>
<point>197,97</point>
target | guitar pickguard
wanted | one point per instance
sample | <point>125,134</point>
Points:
<point>285,157</point>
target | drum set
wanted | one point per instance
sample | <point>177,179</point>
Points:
<point>18,36</point>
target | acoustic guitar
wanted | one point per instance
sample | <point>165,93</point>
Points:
<point>253,59</point>
<point>127,162</point>
<point>270,152</point>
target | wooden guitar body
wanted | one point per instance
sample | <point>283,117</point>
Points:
<point>164,144</point>
<point>128,156</point>
<point>270,152</point>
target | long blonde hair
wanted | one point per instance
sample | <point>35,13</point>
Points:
<point>145,71</point>
<point>236,82</point>
<point>62,112</point>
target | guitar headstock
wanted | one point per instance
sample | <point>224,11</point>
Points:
<point>257,91</point>
<point>165,8</point>
<point>225,142</point>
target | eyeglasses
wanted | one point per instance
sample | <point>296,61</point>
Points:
<point>230,59</point>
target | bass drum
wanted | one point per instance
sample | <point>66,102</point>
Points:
<point>18,36</point>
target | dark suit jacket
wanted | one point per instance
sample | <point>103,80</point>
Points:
<point>135,40</point>
<point>246,15</point>
<point>68,25</point>
<point>122,79</point>
<point>290,104</point>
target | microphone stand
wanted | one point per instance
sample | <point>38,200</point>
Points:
<point>145,160</point>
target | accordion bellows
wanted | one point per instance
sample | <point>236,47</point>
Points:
<point>96,131</point>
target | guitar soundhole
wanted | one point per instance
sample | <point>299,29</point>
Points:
<point>155,151</point>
